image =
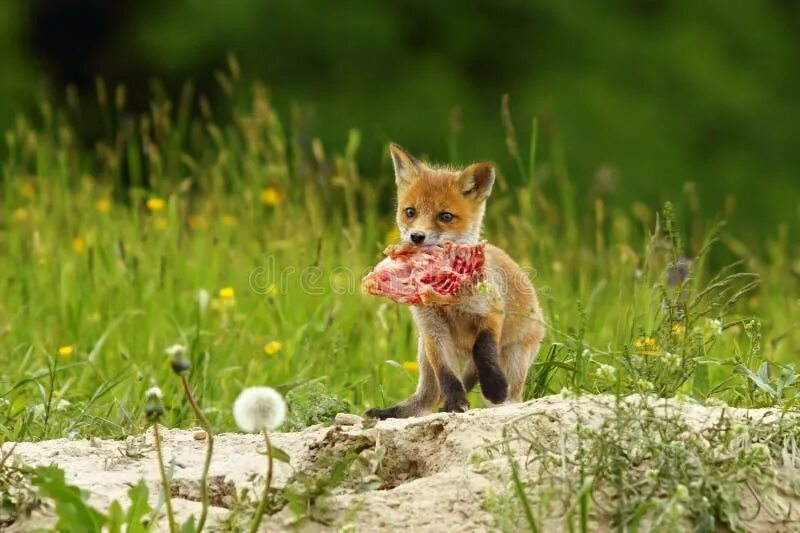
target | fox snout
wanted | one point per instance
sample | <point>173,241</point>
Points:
<point>417,237</point>
<point>423,235</point>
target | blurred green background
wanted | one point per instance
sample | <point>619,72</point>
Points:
<point>636,97</point>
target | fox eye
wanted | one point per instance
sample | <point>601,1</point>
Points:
<point>410,212</point>
<point>444,216</point>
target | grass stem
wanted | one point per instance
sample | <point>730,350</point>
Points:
<point>204,423</point>
<point>164,481</point>
<point>262,505</point>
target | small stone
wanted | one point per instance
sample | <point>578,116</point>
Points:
<point>199,435</point>
<point>346,419</point>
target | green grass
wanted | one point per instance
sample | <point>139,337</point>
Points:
<point>88,260</point>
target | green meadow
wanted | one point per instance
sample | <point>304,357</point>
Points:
<point>236,235</point>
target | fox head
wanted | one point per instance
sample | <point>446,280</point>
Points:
<point>439,204</point>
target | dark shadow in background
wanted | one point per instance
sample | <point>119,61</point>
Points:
<point>641,96</point>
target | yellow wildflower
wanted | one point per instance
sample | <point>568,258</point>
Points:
<point>270,196</point>
<point>78,244</point>
<point>272,290</point>
<point>273,347</point>
<point>66,351</point>
<point>227,293</point>
<point>678,329</point>
<point>410,366</point>
<point>156,204</point>
<point>646,345</point>
<point>160,223</point>
<point>229,221</point>
<point>197,222</point>
<point>393,235</point>
<point>103,205</point>
<point>27,190</point>
<point>20,215</point>
<point>7,329</point>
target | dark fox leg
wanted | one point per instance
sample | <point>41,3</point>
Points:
<point>453,393</point>
<point>421,402</point>
<point>485,355</point>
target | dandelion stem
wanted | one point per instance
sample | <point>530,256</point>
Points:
<point>209,451</point>
<point>262,505</point>
<point>164,483</point>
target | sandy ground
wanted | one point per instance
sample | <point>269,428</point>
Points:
<point>425,478</point>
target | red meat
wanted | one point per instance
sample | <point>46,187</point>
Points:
<point>425,275</point>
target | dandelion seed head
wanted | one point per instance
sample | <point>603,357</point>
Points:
<point>154,393</point>
<point>175,349</point>
<point>153,408</point>
<point>259,409</point>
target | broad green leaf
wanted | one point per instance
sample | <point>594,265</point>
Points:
<point>74,513</point>
<point>757,379</point>
<point>280,455</point>
<point>139,507</point>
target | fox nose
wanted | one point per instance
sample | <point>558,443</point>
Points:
<point>417,237</point>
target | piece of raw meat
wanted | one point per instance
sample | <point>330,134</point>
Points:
<point>427,275</point>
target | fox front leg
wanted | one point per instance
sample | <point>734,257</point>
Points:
<point>422,401</point>
<point>453,394</point>
<point>486,357</point>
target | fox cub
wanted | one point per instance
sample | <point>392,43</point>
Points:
<point>495,332</point>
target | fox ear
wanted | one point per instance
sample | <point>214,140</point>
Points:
<point>405,165</point>
<point>477,180</point>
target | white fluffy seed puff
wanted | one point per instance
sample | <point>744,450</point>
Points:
<point>259,409</point>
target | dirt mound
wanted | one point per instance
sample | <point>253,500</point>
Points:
<point>425,474</point>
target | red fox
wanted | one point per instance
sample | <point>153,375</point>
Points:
<point>496,332</point>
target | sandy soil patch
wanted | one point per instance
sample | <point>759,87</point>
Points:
<point>418,474</point>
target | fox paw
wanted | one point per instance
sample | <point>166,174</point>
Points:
<point>383,414</point>
<point>455,405</point>
<point>494,387</point>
